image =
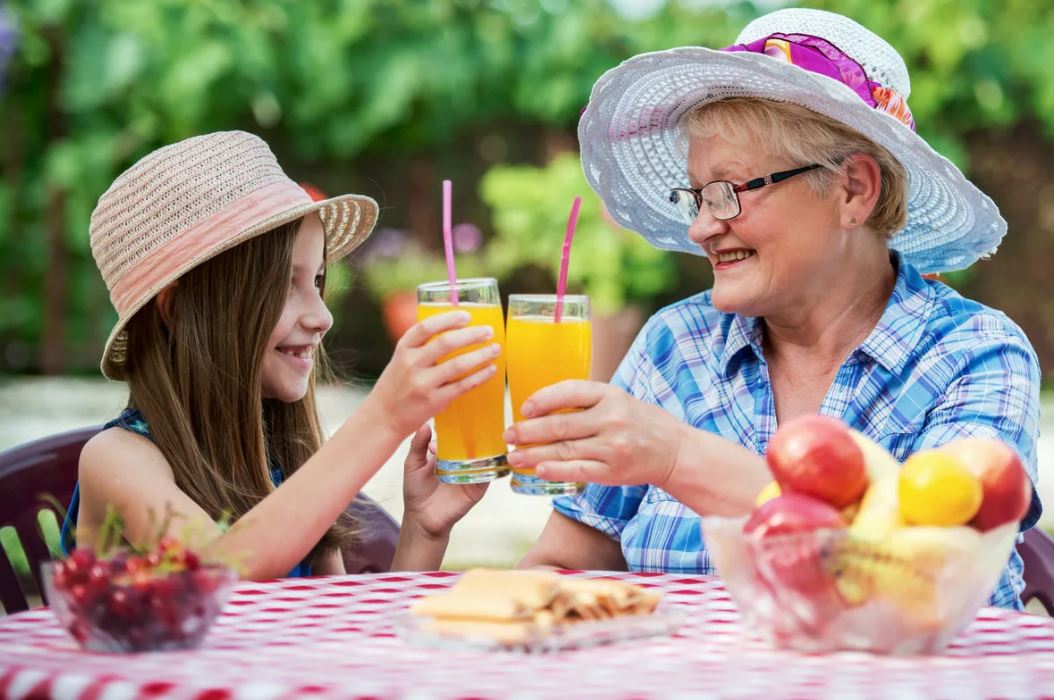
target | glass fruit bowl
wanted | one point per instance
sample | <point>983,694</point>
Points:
<point>130,603</point>
<point>827,590</point>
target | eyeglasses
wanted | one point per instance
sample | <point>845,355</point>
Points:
<point>722,197</point>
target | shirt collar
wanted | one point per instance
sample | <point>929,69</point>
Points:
<point>902,324</point>
<point>743,332</point>
<point>890,343</point>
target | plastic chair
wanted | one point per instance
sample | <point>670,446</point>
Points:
<point>44,467</point>
<point>1037,551</point>
<point>49,466</point>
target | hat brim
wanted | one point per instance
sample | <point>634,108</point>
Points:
<point>348,220</point>
<point>634,150</point>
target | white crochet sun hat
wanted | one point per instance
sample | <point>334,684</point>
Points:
<point>185,203</point>
<point>634,148</point>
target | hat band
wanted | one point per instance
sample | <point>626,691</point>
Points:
<point>817,55</point>
<point>179,253</point>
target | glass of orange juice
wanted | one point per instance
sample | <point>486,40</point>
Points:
<point>470,429</point>
<point>541,352</point>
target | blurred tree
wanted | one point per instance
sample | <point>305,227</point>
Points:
<point>530,205</point>
<point>94,86</point>
<point>389,96</point>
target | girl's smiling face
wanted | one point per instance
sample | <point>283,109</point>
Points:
<point>289,357</point>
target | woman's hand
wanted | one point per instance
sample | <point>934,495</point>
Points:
<point>422,377</point>
<point>613,439</point>
<point>430,506</point>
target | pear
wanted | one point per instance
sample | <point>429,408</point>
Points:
<point>878,463</point>
<point>771,490</point>
<point>879,512</point>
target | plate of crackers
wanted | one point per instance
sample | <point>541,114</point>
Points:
<point>535,611</point>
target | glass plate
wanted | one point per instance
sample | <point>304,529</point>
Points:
<point>578,635</point>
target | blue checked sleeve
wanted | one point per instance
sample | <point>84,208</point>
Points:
<point>610,508</point>
<point>995,394</point>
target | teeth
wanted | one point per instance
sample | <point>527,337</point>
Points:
<point>734,255</point>
<point>302,354</point>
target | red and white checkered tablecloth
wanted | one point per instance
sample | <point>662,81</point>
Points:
<point>333,637</point>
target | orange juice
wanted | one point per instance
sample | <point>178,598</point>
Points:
<point>541,352</point>
<point>471,427</point>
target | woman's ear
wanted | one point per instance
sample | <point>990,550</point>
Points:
<point>164,303</point>
<point>863,185</point>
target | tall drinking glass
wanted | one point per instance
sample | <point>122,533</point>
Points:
<point>470,430</point>
<point>541,352</point>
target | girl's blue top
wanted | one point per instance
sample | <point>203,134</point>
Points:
<point>131,419</point>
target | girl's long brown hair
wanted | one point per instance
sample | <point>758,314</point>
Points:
<point>195,374</point>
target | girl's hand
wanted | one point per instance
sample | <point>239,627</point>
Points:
<point>613,439</point>
<point>428,503</point>
<point>421,378</point>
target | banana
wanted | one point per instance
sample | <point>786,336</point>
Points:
<point>908,570</point>
<point>877,518</point>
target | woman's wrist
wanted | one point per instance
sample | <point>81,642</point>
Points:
<point>685,446</point>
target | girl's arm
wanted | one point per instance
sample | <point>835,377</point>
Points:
<point>131,473</point>
<point>430,508</point>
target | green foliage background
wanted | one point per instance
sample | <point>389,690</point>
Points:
<point>388,97</point>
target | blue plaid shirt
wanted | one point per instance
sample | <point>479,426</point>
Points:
<point>936,367</point>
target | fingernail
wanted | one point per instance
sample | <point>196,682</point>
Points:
<point>463,316</point>
<point>509,437</point>
<point>527,409</point>
<point>514,458</point>
<point>495,349</point>
<point>541,471</point>
<point>488,332</point>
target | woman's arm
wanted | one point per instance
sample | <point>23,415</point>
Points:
<point>617,439</point>
<point>568,544</point>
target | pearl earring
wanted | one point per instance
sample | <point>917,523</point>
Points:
<point>852,221</point>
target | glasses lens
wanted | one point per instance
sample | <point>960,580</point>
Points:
<point>721,200</point>
<point>685,202</point>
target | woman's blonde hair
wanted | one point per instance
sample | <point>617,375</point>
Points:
<point>806,137</point>
<point>195,374</point>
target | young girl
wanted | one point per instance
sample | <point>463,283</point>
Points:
<point>215,262</point>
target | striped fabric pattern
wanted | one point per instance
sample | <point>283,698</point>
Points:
<point>936,367</point>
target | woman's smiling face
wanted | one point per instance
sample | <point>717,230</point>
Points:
<point>783,241</point>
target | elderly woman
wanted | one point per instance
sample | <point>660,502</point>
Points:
<point>790,160</point>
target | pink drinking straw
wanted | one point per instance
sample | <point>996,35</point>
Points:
<point>565,256</point>
<point>448,244</point>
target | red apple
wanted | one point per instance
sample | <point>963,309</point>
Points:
<point>792,513</point>
<point>1006,489</point>
<point>817,456</point>
<point>795,565</point>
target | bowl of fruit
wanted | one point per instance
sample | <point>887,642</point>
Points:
<point>123,601</point>
<point>849,550</point>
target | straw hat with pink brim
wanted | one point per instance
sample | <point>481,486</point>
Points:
<point>634,148</point>
<point>185,203</point>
